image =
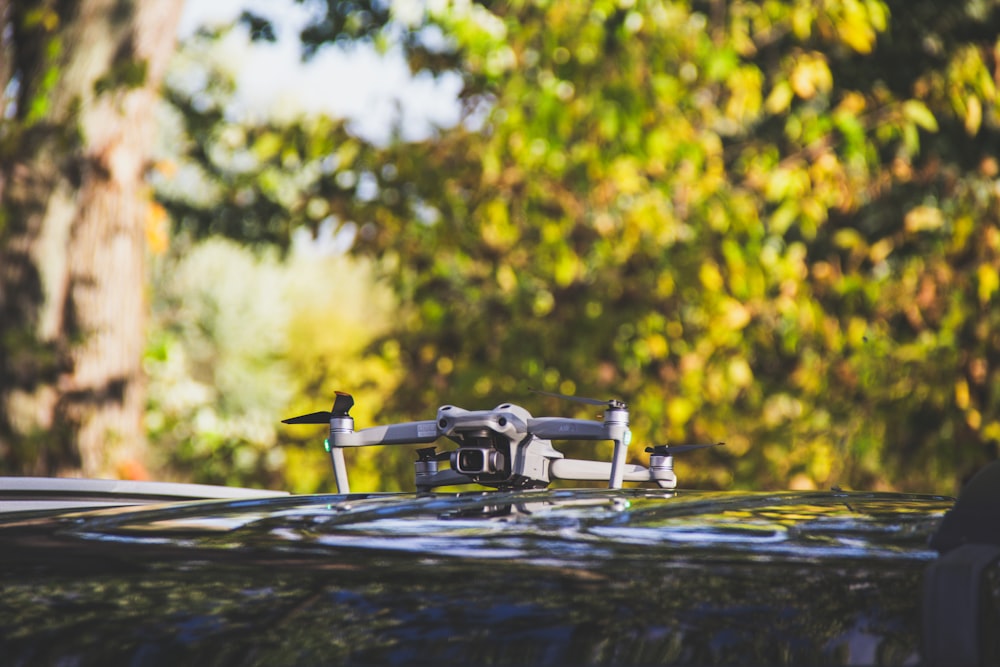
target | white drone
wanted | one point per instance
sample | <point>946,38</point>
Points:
<point>504,448</point>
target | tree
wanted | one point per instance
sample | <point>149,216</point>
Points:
<point>770,223</point>
<point>79,84</point>
<point>773,223</point>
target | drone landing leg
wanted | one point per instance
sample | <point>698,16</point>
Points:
<point>618,465</point>
<point>339,469</point>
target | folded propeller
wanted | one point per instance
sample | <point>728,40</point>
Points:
<point>341,407</point>
<point>670,450</point>
<point>611,403</point>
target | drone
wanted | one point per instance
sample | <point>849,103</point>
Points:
<point>504,448</point>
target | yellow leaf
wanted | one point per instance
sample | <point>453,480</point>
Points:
<point>46,18</point>
<point>821,464</point>
<point>991,431</point>
<point>784,216</point>
<point>625,173</point>
<point>857,329</point>
<point>848,239</point>
<point>679,410</point>
<point>346,153</point>
<point>779,99</point>
<point>989,282</point>
<point>657,345</point>
<point>506,279</point>
<point>803,16</point>
<point>157,228</point>
<point>857,32</point>
<point>567,268</point>
<point>923,218</point>
<point>735,315</point>
<point>497,231</point>
<point>880,250</point>
<point>810,76</point>
<point>544,303</point>
<point>853,102</point>
<point>166,167</point>
<point>267,146</point>
<point>710,277</point>
<point>917,112</point>
<point>973,115</point>
<point>740,373</point>
<point>665,285</point>
<point>962,394</point>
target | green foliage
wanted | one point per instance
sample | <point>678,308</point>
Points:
<point>338,310</point>
<point>756,225</point>
<point>240,340</point>
<point>770,223</point>
<point>215,363</point>
<point>251,182</point>
<point>124,74</point>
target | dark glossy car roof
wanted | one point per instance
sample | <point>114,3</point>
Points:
<point>633,576</point>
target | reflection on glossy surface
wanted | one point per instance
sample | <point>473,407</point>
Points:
<point>588,577</point>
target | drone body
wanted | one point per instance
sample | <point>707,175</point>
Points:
<point>504,448</point>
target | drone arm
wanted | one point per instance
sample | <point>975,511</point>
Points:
<point>407,433</point>
<point>560,428</point>
<point>581,470</point>
<point>614,429</point>
<point>393,434</point>
<point>446,477</point>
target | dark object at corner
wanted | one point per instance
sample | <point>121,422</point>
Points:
<point>960,616</point>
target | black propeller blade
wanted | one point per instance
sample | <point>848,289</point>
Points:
<point>341,407</point>
<point>311,418</point>
<point>668,450</point>
<point>610,403</point>
<point>342,404</point>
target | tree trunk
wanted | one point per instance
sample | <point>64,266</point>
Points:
<point>74,206</point>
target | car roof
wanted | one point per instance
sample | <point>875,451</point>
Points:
<point>781,525</point>
<point>582,576</point>
<point>49,493</point>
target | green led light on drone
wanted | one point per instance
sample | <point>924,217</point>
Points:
<point>326,445</point>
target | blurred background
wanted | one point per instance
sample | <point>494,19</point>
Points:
<point>770,223</point>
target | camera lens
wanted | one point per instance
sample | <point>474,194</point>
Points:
<point>471,460</point>
<point>477,461</point>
